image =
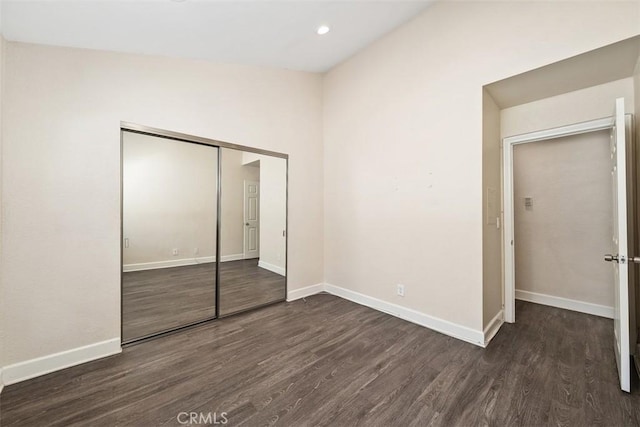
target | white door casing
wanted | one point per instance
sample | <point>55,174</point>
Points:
<point>508,202</point>
<point>251,219</point>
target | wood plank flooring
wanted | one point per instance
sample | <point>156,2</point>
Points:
<point>329,362</point>
<point>161,299</point>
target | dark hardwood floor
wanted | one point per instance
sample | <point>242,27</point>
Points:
<point>329,362</point>
<point>161,299</point>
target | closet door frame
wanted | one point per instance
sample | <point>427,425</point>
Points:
<point>182,137</point>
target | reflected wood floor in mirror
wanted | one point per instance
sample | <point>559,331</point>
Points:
<point>166,298</point>
<point>330,362</point>
<point>244,285</point>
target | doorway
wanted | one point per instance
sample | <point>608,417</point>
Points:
<point>560,134</point>
<point>563,221</point>
<point>621,244</point>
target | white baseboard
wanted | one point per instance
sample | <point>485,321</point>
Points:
<point>54,362</point>
<point>493,327</point>
<point>179,262</point>
<point>271,267</point>
<point>568,304</point>
<point>166,264</point>
<point>444,326</point>
<point>234,257</point>
<point>305,292</point>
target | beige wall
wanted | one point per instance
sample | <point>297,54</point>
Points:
<point>60,179</point>
<point>561,239</point>
<point>169,200</point>
<point>492,298</point>
<point>416,219</point>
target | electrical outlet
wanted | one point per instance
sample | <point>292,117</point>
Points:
<point>196,251</point>
<point>175,251</point>
<point>400,290</point>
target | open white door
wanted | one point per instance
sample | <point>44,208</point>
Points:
<point>251,219</point>
<point>619,256</point>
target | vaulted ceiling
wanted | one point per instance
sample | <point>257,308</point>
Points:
<point>260,32</point>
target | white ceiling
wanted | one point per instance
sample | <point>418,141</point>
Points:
<point>261,32</point>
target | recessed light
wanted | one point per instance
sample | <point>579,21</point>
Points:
<point>323,29</point>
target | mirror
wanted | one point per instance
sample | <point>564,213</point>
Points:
<point>204,230</point>
<point>253,230</point>
<point>169,220</point>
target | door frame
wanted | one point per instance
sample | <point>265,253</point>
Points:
<point>508,144</point>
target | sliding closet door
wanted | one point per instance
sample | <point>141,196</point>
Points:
<point>253,249</point>
<point>169,220</point>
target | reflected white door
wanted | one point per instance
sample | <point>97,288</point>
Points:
<point>619,256</point>
<point>251,219</point>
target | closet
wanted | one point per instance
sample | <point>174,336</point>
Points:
<point>204,229</point>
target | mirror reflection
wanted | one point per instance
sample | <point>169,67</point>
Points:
<point>169,222</point>
<point>253,230</point>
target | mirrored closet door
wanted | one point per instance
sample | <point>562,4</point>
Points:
<point>253,230</point>
<point>169,227</point>
<point>204,230</point>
